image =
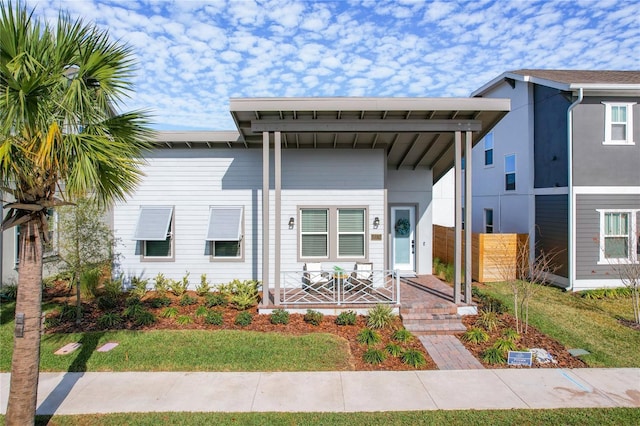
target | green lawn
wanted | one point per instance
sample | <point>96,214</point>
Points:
<point>581,417</point>
<point>186,350</point>
<point>581,323</point>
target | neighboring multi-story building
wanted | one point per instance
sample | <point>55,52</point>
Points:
<point>564,167</point>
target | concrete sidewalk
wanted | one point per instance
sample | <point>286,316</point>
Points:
<point>83,393</point>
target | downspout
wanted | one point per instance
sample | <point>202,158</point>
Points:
<point>570,214</point>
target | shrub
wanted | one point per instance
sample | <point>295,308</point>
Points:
<point>89,281</point>
<point>113,288</point>
<point>144,317</point>
<point>279,316</point>
<point>402,335</point>
<point>244,293</point>
<point>475,335</point>
<point>169,312</point>
<point>184,320</point>
<point>313,317</point>
<point>138,287</point>
<point>201,311</point>
<point>380,316</point>
<point>109,320</point>
<point>493,355</point>
<point>161,284</point>
<point>187,300</point>
<point>374,356</point>
<point>215,318</point>
<point>106,302</point>
<point>346,318</point>
<point>50,322</point>
<point>488,302</point>
<point>9,292</point>
<point>132,311</point>
<point>505,345</point>
<point>132,300</point>
<point>394,349</point>
<point>243,318</point>
<point>414,358</point>
<point>215,299</point>
<point>159,302</point>
<point>511,335</point>
<point>179,287</point>
<point>204,287</point>
<point>367,336</point>
<point>68,312</point>
<point>488,320</point>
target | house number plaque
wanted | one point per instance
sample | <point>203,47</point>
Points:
<point>376,237</point>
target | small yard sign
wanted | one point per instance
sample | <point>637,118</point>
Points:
<point>520,358</point>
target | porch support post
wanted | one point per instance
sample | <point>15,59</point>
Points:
<point>457,250</point>
<point>265,218</point>
<point>277,141</point>
<point>467,218</point>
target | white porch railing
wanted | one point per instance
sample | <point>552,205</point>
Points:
<point>343,288</point>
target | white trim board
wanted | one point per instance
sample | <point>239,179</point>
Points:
<point>609,190</point>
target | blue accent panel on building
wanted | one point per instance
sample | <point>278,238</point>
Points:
<point>552,229</point>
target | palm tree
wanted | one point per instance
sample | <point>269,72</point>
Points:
<point>60,138</point>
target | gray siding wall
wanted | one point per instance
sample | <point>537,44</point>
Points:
<point>551,229</point>
<point>588,231</point>
<point>596,164</point>
<point>550,137</point>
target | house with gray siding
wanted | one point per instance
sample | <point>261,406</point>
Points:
<point>303,181</point>
<point>564,167</point>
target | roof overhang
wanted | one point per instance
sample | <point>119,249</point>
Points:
<point>414,132</point>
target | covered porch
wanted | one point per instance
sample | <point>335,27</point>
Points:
<point>417,135</point>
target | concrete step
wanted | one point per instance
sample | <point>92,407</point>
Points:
<point>428,329</point>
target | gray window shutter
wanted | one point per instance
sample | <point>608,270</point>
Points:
<point>153,223</point>
<point>225,224</point>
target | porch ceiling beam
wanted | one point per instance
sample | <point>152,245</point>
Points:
<point>406,154</point>
<point>375,140</point>
<point>426,150</point>
<point>355,140</point>
<point>364,126</point>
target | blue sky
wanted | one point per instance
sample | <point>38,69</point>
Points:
<point>194,55</point>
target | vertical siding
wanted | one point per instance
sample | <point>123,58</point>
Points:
<point>588,231</point>
<point>191,180</point>
<point>552,229</point>
<point>550,138</point>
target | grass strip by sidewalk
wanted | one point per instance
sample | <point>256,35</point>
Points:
<point>569,416</point>
<point>189,350</point>
<point>581,323</point>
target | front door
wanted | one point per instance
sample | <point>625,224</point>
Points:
<point>403,243</point>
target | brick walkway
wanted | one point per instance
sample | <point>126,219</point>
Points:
<point>449,354</point>
<point>428,292</point>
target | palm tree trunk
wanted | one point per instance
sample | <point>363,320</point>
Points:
<point>25,361</point>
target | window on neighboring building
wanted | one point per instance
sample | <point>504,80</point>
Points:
<point>488,221</point>
<point>154,231</point>
<point>618,123</point>
<point>314,233</point>
<point>488,149</point>
<point>17,245</point>
<point>510,172</point>
<point>333,233</point>
<point>225,233</point>
<point>618,235</point>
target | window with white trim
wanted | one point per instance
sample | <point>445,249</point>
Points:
<point>488,149</point>
<point>337,233</point>
<point>154,231</point>
<point>510,172</point>
<point>618,123</point>
<point>314,233</point>
<point>618,235</point>
<point>488,221</point>
<point>225,233</point>
<point>351,232</point>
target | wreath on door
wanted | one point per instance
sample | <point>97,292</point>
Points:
<point>403,226</point>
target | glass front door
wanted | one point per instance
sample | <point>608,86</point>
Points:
<point>403,239</point>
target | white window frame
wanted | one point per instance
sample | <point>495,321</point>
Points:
<point>239,238</point>
<point>628,140</point>
<point>486,225</point>
<point>632,237</point>
<point>488,138</point>
<point>509,172</point>
<point>363,233</point>
<point>333,234</point>
<point>301,233</point>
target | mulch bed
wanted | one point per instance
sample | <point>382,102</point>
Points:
<point>297,326</point>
